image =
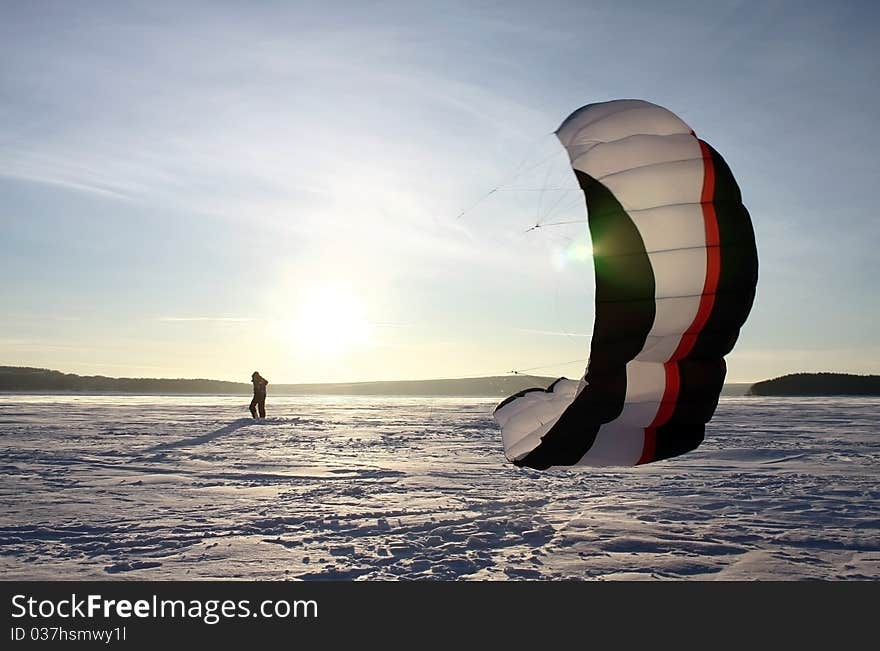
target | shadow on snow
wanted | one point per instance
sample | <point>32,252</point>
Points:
<point>204,438</point>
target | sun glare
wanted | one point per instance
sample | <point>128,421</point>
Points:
<point>576,252</point>
<point>331,321</point>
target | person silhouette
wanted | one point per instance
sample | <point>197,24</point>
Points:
<point>259,395</point>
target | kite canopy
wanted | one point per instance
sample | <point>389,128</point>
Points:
<point>676,268</point>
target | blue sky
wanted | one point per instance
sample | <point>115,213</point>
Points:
<point>184,184</point>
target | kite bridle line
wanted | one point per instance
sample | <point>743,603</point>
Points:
<point>518,172</point>
<point>515,174</point>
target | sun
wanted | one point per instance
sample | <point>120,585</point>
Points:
<point>331,321</point>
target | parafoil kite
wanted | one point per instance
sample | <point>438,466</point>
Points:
<point>676,268</point>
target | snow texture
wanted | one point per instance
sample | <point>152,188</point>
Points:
<point>110,487</point>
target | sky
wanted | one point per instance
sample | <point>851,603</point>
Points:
<point>198,189</point>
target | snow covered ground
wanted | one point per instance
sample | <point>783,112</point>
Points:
<point>384,488</point>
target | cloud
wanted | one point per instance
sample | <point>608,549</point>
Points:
<point>217,319</point>
<point>552,333</point>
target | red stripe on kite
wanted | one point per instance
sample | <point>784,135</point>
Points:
<point>707,301</point>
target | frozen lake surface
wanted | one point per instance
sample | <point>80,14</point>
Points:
<point>102,487</point>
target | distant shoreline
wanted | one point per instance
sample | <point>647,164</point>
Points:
<point>21,380</point>
<point>818,384</point>
<point>36,381</point>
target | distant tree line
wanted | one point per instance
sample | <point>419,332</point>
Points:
<point>818,384</point>
<point>35,380</point>
<point>21,379</point>
<point>16,378</point>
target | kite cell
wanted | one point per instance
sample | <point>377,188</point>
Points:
<point>676,268</point>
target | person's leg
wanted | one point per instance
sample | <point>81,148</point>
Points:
<point>263,407</point>
<point>253,407</point>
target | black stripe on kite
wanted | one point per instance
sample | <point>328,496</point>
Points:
<point>625,310</point>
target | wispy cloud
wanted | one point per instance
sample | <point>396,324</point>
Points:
<point>218,319</point>
<point>49,177</point>
<point>39,344</point>
<point>554,333</point>
<point>344,127</point>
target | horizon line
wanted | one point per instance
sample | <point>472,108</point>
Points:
<point>351,382</point>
